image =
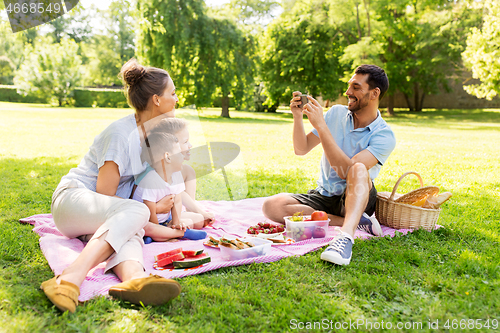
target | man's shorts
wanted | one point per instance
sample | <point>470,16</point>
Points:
<point>334,205</point>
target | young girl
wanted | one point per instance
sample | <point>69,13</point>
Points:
<point>162,152</point>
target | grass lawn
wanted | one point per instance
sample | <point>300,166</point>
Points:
<point>450,275</point>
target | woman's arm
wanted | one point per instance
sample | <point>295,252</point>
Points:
<point>108,179</point>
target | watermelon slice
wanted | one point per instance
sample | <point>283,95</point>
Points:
<point>168,254</point>
<point>192,253</point>
<point>168,260</point>
<point>192,262</point>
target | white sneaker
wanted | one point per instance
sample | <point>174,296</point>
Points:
<point>370,225</point>
<point>339,250</point>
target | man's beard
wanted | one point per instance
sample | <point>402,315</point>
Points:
<point>359,104</point>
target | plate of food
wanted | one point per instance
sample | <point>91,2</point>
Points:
<point>266,230</point>
<point>212,242</point>
<point>243,248</point>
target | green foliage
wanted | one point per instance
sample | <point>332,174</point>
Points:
<point>10,94</point>
<point>105,52</point>
<point>100,98</point>
<point>253,11</point>
<point>206,56</point>
<point>300,51</point>
<point>417,43</point>
<point>482,54</point>
<point>103,62</point>
<point>73,25</point>
<point>51,70</point>
<point>11,52</point>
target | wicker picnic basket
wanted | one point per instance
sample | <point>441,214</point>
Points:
<point>400,215</point>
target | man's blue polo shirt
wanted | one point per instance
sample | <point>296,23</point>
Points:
<point>377,137</point>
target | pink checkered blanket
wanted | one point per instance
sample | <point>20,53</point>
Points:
<point>231,218</point>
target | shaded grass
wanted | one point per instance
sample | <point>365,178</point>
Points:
<point>452,273</point>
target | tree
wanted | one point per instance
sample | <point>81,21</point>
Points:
<point>482,54</point>
<point>120,27</point>
<point>11,52</point>
<point>105,52</point>
<point>301,51</point>
<point>419,44</point>
<point>205,55</point>
<point>50,70</point>
<point>73,25</point>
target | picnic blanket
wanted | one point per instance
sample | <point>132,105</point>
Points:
<point>232,218</point>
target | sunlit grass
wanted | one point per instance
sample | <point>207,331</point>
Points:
<point>451,273</point>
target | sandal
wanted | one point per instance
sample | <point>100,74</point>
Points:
<point>64,295</point>
<point>154,289</point>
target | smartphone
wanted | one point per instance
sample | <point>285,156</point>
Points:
<point>303,100</point>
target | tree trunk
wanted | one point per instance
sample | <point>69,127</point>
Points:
<point>357,21</point>
<point>416,97</point>
<point>390,105</point>
<point>367,9</point>
<point>225,106</point>
<point>410,107</point>
<point>422,101</point>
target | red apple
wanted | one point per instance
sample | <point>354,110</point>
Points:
<point>319,216</point>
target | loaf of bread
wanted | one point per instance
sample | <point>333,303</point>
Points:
<point>434,201</point>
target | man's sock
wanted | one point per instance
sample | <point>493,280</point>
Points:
<point>195,234</point>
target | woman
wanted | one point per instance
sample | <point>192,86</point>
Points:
<point>92,199</point>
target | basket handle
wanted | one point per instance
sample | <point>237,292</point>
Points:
<point>391,198</point>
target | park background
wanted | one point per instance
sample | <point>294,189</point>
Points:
<point>242,59</point>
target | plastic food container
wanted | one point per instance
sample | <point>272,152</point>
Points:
<point>300,231</point>
<point>262,246</point>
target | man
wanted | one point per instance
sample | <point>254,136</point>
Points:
<point>356,142</point>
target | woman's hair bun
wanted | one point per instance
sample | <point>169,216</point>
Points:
<point>141,83</point>
<point>132,72</point>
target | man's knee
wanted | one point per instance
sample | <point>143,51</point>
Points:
<point>359,181</point>
<point>273,203</point>
<point>357,171</point>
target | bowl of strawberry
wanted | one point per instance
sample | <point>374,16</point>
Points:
<point>266,230</point>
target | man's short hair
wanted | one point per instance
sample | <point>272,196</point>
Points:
<point>376,78</point>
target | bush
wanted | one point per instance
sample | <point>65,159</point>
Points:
<point>10,94</point>
<point>83,97</point>
<point>107,98</point>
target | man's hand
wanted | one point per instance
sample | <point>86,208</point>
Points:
<point>294,104</point>
<point>164,206</point>
<point>314,112</point>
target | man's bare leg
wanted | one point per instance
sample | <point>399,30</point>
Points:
<point>358,189</point>
<point>281,205</point>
